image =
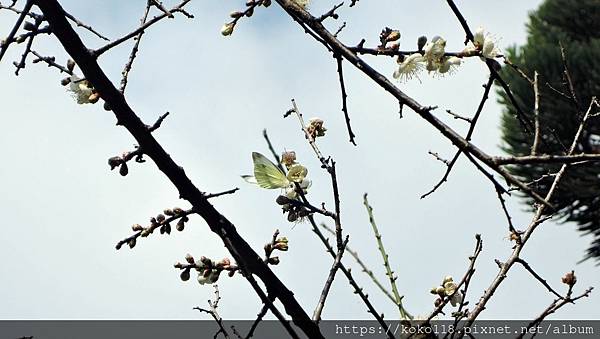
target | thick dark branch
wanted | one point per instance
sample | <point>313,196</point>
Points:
<point>241,251</point>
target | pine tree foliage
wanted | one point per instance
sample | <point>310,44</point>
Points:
<point>576,26</point>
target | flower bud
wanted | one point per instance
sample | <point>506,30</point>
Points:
<point>393,36</point>
<point>131,243</point>
<point>185,275</point>
<point>160,218</point>
<point>180,225</point>
<point>569,279</point>
<point>28,26</point>
<point>65,81</point>
<point>177,210</point>
<point>123,170</point>
<point>421,42</point>
<point>70,65</point>
<point>282,200</point>
<point>281,246</point>
<point>114,162</point>
<point>94,97</point>
<point>273,260</point>
<point>236,14</point>
<point>288,158</point>
<point>189,258</point>
<point>137,227</point>
<point>227,29</point>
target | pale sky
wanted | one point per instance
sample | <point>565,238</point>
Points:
<point>63,210</point>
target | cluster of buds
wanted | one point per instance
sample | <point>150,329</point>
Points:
<point>162,222</point>
<point>208,270</point>
<point>315,128</point>
<point>228,28</point>
<point>391,36</point>
<point>81,89</point>
<point>31,28</point>
<point>448,288</point>
<point>121,161</point>
<point>297,181</point>
<point>277,244</point>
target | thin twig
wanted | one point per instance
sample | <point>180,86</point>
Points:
<point>344,98</point>
<point>545,159</point>
<point>134,49</point>
<point>538,277</point>
<point>88,27</point>
<point>98,52</point>
<point>536,114</point>
<point>535,222</point>
<point>11,36</point>
<point>386,262</point>
<point>214,304</point>
<point>554,306</point>
<point>456,116</point>
<point>472,125</point>
<point>329,282</point>
<point>363,266</point>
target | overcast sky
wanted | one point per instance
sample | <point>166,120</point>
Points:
<point>63,210</point>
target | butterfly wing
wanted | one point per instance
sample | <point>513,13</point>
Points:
<point>267,174</point>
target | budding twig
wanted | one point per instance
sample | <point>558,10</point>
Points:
<point>386,263</point>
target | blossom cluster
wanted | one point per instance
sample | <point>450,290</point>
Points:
<point>81,90</point>
<point>432,56</point>
<point>448,289</point>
